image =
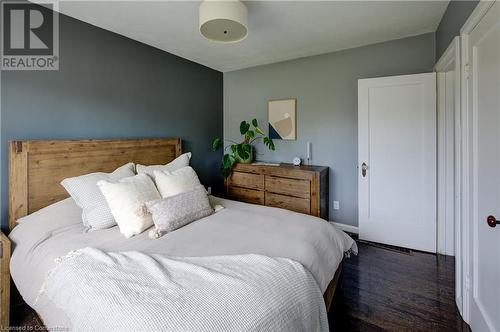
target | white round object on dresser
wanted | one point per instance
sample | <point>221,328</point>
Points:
<point>296,161</point>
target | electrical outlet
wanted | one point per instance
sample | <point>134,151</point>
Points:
<point>209,190</point>
<point>336,205</point>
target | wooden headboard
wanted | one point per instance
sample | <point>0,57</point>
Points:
<point>36,168</point>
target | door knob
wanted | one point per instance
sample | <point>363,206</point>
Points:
<point>364,167</point>
<point>492,221</point>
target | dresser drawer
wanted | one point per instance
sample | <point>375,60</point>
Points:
<point>302,205</point>
<point>299,188</point>
<point>291,187</point>
<point>246,195</point>
<point>246,180</point>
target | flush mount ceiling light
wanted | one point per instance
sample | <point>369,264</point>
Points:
<point>223,21</point>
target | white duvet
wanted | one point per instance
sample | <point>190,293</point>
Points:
<point>239,229</point>
<point>131,291</point>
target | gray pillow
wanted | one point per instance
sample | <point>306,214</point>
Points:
<point>176,211</point>
<point>85,192</point>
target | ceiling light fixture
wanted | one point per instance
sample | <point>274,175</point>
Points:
<point>223,21</point>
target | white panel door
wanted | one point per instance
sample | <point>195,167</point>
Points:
<point>483,91</point>
<point>397,160</point>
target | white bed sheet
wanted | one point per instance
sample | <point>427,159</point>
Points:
<point>239,228</point>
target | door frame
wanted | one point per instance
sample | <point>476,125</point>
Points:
<point>448,191</point>
<point>467,166</point>
<point>450,225</point>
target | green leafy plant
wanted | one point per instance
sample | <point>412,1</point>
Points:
<point>241,152</point>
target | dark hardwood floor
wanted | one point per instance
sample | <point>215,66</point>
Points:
<point>387,289</point>
<point>382,290</point>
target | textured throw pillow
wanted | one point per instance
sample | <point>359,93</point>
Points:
<point>126,199</point>
<point>179,162</point>
<point>84,191</point>
<point>176,182</point>
<point>176,211</point>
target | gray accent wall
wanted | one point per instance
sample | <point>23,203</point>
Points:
<point>326,90</point>
<point>453,19</point>
<point>109,86</point>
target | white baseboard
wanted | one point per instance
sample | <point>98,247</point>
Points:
<point>346,228</point>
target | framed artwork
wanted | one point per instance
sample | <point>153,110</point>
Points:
<point>282,115</point>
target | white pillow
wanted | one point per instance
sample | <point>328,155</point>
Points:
<point>176,182</point>
<point>126,199</point>
<point>84,191</point>
<point>179,162</point>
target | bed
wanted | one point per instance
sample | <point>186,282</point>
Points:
<point>46,224</point>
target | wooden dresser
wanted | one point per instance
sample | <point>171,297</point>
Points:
<point>298,188</point>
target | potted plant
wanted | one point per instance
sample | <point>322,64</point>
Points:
<point>241,152</point>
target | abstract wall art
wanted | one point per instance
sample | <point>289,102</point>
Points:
<point>282,116</point>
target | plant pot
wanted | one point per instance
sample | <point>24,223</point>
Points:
<point>249,160</point>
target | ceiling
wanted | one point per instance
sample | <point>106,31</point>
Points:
<point>278,30</point>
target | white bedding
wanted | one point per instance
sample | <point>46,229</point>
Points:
<point>238,229</point>
<point>139,292</point>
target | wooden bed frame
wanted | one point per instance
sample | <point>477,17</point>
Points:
<point>36,169</point>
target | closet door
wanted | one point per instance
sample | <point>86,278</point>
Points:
<point>397,160</point>
<point>483,109</point>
